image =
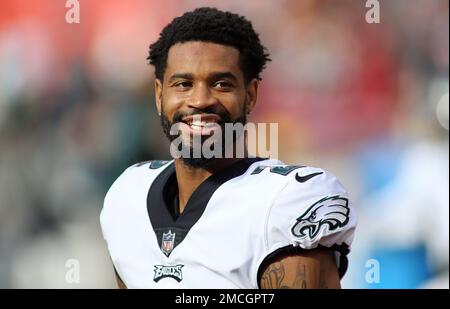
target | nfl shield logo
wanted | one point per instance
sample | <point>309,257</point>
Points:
<point>168,240</point>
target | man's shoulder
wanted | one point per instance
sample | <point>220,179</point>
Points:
<point>312,208</point>
<point>309,183</point>
<point>150,164</point>
<point>296,185</point>
<point>145,168</point>
<point>294,174</point>
<point>135,176</point>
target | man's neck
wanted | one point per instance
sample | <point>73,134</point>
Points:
<point>189,178</point>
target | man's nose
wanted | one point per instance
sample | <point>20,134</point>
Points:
<point>201,97</point>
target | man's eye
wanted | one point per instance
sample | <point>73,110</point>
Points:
<point>222,85</point>
<point>183,85</point>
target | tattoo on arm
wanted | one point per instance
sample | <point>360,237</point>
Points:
<point>300,277</point>
<point>312,271</point>
<point>273,277</point>
<point>322,280</point>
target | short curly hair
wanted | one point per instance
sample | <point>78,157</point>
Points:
<point>212,25</point>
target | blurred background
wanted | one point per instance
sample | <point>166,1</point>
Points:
<point>368,102</point>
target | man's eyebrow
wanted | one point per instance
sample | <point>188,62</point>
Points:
<point>219,75</point>
<point>212,76</point>
<point>181,76</point>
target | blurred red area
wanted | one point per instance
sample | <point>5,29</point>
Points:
<point>77,107</point>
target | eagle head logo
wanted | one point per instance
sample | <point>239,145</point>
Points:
<point>332,212</point>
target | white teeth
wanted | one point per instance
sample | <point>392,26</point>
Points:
<point>196,128</point>
<point>199,123</point>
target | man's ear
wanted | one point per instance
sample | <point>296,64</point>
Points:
<point>252,93</point>
<point>158,95</point>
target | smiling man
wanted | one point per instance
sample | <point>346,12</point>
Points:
<point>221,221</point>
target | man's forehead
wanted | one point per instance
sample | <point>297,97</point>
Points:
<point>202,56</point>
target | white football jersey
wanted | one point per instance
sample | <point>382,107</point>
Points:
<point>233,225</point>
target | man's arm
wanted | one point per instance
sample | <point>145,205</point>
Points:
<point>314,269</point>
<point>119,281</point>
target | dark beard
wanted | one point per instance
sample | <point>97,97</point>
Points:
<point>225,117</point>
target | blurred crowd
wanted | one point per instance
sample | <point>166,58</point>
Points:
<point>369,102</point>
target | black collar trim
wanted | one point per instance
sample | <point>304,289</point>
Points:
<point>160,217</point>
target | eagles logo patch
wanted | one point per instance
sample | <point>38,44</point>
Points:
<point>163,271</point>
<point>330,212</point>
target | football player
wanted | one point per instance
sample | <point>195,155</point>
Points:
<point>215,222</point>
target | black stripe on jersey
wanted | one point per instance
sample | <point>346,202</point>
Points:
<point>164,189</point>
<point>290,250</point>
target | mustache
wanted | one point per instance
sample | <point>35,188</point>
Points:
<point>221,112</point>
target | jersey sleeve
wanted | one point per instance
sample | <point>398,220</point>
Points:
<point>114,200</point>
<point>312,211</point>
